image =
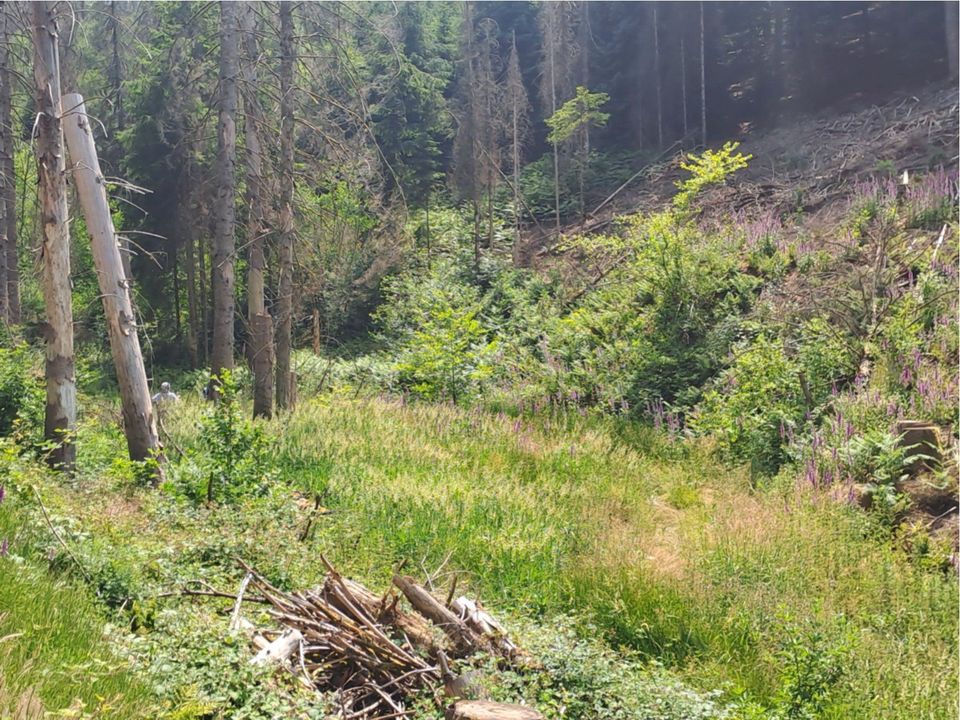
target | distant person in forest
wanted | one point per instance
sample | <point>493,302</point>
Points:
<point>165,395</point>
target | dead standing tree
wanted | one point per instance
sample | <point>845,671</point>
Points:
<point>139,421</point>
<point>286,387</point>
<point>61,411</point>
<point>261,323</point>
<point>224,244</point>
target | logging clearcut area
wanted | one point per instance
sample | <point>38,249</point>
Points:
<point>479,360</point>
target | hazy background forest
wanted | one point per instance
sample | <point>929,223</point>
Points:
<point>598,359</point>
<point>386,122</point>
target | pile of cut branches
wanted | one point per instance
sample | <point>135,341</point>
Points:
<point>375,655</point>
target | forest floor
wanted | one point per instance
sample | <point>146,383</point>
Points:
<point>602,546</point>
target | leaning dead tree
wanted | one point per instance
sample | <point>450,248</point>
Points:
<point>61,411</point>
<point>139,421</point>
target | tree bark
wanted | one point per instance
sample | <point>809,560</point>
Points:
<point>486,710</point>
<point>224,243</point>
<point>703,83</point>
<point>253,135</point>
<point>260,323</point>
<point>261,350</point>
<point>139,421</point>
<point>10,292</point>
<point>953,36</point>
<point>656,73</point>
<point>61,410</point>
<point>683,82</point>
<point>285,395</point>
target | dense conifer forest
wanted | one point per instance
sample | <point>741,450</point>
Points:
<point>479,360</point>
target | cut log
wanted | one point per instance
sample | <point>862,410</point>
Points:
<point>484,710</point>
<point>386,612</point>
<point>485,625</point>
<point>280,649</point>
<point>463,638</point>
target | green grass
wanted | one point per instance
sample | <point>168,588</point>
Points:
<point>658,547</point>
<point>52,651</point>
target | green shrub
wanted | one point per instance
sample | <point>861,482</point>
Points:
<point>235,459</point>
<point>443,350</point>
<point>752,403</point>
<point>21,392</point>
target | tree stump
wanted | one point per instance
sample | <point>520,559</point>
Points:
<point>484,710</point>
<point>920,438</point>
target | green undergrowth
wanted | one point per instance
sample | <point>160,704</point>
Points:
<point>52,652</point>
<point>652,580</point>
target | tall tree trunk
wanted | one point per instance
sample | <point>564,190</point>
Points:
<point>515,118</point>
<point>683,81</point>
<point>139,422</point>
<point>703,82</point>
<point>193,316</point>
<point>61,411</point>
<point>204,343</point>
<point>656,73</point>
<point>8,193</point>
<point>253,136</point>
<point>259,322</point>
<point>285,390</point>
<point>953,36</point>
<point>551,41</point>
<point>224,242</point>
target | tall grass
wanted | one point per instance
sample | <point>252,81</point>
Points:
<point>668,553</point>
<point>53,655</point>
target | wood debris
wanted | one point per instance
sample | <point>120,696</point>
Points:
<point>374,655</point>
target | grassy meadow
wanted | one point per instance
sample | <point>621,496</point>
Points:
<point>673,568</point>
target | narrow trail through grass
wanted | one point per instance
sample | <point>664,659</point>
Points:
<point>661,549</point>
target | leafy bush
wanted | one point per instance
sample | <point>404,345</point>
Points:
<point>443,350</point>
<point>235,461</point>
<point>752,403</point>
<point>21,394</point>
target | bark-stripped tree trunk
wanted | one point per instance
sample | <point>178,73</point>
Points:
<point>61,411</point>
<point>115,76</point>
<point>10,292</point>
<point>139,421</point>
<point>285,393</point>
<point>260,323</point>
<point>224,243</point>
<point>703,83</point>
